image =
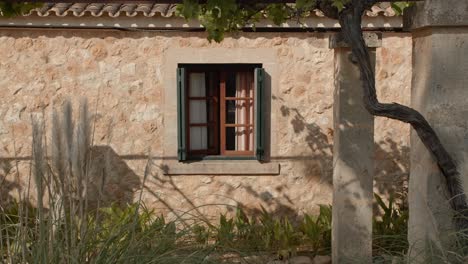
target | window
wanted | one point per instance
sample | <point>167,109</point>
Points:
<point>220,111</point>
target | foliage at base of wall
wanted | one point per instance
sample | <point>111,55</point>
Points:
<point>134,233</point>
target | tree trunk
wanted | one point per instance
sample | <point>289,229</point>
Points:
<point>350,21</point>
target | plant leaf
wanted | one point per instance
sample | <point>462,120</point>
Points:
<point>399,7</point>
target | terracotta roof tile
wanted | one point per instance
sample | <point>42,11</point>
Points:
<point>148,10</point>
<point>102,9</point>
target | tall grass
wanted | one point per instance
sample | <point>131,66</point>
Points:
<point>59,220</point>
<point>63,228</point>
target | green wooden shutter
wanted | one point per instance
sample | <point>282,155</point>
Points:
<point>181,137</point>
<point>260,113</point>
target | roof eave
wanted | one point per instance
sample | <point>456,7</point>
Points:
<point>176,23</point>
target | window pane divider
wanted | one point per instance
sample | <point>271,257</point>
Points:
<point>202,124</point>
<point>239,152</point>
<point>201,97</point>
<point>238,125</point>
<point>238,98</point>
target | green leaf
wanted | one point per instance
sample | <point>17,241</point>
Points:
<point>399,7</point>
<point>380,202</point>
<point>10,9</point>
<point>304,4</point>
<point>340,4</point>
<point>278,13</point>
<point>188,9</point>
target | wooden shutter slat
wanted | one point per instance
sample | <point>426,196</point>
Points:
<point>222,112</point>
<point>181,116</point>
<point>260,113</point>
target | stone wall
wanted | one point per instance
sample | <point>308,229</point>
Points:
<point>122,75</point>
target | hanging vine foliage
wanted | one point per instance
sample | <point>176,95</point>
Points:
<point>11,9</point>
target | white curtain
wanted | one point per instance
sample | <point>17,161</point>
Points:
<point>244,88</point>
<point>197,112</point>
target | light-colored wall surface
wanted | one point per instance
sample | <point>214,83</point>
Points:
<point>439,92</point>
<point>124,76</point>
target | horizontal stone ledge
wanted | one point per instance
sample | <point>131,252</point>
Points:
<point>227,167</point>
<point>436,13</point>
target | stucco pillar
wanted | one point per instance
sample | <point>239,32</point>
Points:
<point>353,164</point>
<point>440,93</point>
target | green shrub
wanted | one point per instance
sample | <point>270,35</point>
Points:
<point>133,234</point>
<point>391,228</point>
<point>317,230</point>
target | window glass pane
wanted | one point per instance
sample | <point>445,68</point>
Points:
<point>239,111</point>
<point>231,84</point>
<point>244,84</point>
<point>239,138</point>
<point>197,84</point>
<point>230,112</point>
<point>204,138</point>
<point>198,138</point>
<point>211,111</point>
<point>212,144</point>
<point>198,113</point>
<point>239,84</point>
<point>230,138</point>
<point>212,84</point>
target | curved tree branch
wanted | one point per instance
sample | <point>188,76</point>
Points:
<point>350,21</point>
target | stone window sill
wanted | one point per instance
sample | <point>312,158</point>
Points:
<point>220,167</point>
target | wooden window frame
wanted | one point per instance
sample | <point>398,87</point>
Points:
<point>214,124</point>
<point>224,125</point>
<point>220,99</point>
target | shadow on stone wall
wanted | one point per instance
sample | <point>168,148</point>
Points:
<point>6,185</point>
<point>111,181</point>
<point>391,161</point>
<point>219,201</point>
<point>319,143</point>
<point>391,176</point>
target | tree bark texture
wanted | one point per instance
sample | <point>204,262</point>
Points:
<point>350,21</point>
